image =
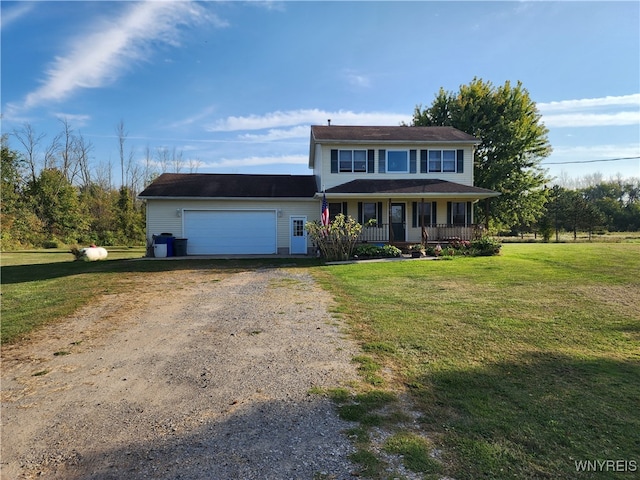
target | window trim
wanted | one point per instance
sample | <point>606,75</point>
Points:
<point>407,158</point>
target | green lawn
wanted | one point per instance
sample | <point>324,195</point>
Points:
<point>520,364</point>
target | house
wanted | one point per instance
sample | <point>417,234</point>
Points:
<point>415,182</point>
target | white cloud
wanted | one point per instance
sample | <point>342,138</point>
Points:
<point>77,120</point>
<point>584,103</point>
<point>308,117</point>
<point>12,14</point>
<point>274,134</point>
<point>259,161</point>
<point>592,119</point>
<point>592,112</point>
<point>99,58</point>
<point>357,80</point>
<point>593,152</point>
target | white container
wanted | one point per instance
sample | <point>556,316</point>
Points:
<point>160,250</point>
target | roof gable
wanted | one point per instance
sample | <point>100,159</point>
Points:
<point>215,185</point>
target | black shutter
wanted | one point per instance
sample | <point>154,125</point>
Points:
<point>334,161</point>
<point>371,161</point>
<point>360,216</point>
<point>423,161</point>
<point>412,161</point>
<point>460,161</point>
<point>414,215</point>
<point>434,213</point>
<point>469,219</point>
<point>382,160</point>
<point>449,208</point>
<point>379,214</point>
<point>344,208</point>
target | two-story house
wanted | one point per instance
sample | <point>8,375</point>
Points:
<point>415,182</point>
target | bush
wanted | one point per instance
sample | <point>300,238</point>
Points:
<point>53,243</point>
<point>366,250</point>
<point>485,247</point>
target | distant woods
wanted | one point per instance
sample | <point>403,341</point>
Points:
<point>55,193</point>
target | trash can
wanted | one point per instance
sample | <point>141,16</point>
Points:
<point>168,239</point>
<point>160,250</point>
<point>180,247</point>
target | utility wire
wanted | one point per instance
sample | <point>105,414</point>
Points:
<point>592,161</point>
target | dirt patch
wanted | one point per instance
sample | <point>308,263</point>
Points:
<point>193,375</point>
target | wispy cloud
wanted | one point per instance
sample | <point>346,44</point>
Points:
<point>101,57</point>
<point>357,80</point>
<point>77,120</point>
<point>258,161</point>
<point>306,117</point>
<point>609,101</point>
<point>592,112</point>
<point>12,14</point>
<point>275,134</point>
<point>594,152</point>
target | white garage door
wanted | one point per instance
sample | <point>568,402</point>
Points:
<point>230,231</point>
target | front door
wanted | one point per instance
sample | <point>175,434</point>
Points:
<point>398,224</point>
<point>298,244</point>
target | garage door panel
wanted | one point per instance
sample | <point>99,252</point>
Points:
<point>230,232</point>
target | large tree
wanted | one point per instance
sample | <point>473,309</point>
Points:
<point>513,143</point>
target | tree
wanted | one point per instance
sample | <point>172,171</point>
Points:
<point>513,143</point>
<point>336,240</point>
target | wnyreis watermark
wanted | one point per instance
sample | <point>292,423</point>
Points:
<point>621,466</point>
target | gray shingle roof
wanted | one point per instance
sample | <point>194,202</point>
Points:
<point>336,133</point>
<point>411,186</point>
<point>211,185</point>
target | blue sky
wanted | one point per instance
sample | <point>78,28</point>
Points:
<point>234,86</point>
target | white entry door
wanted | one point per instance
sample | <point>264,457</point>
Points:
<point>298,244</point>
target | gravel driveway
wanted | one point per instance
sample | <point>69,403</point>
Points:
<point>197,374</point>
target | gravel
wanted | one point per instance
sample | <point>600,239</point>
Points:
<point>197,374</point>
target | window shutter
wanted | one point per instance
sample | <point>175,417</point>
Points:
<point>414,216</point>
<point>460,161</point>
<point>449,207</point>
<point>423,161</point>
<point>334,161</point>
<point>344,208</point>
<point>371,161</point>
<point>469,220</point>
<point>412,161</point>
<point>434,213</point>
<point>360,217</point>
<point>379,214</point>
<point>382,160</point>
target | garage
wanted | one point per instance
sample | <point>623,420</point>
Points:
<point>217,232</point>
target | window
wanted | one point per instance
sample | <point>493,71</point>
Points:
<point>435,161</point>
<point>352,160</point>
<point>448,160</point>
<point>459,213</point>
<point>423,214</point>
<point>442,161</point>
<point>369,212</point>
<point>336,209</point>
<point>398,161</point>
<point>298,227</point>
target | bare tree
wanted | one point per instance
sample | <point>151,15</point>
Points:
<point>83,149</point>
<point>194,164</point>
<point>176,160</point>
<point>30,142</point>
<point>122,136</point>
<point>164,159</point>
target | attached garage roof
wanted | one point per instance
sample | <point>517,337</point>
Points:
<point>214,185</point>
<point>410,187</point>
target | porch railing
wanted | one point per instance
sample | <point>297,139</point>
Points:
<point>435,233</point>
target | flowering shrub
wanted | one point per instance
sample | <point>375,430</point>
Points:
<point>485,247</point>
<point>336,240</point>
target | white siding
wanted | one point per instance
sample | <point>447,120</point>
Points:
<point>166,216</point>
<point>329,180</point>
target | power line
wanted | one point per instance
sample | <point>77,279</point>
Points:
<point>593,161</point>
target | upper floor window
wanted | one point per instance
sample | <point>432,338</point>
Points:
<point>398,161</point>
<point>442,161</point>
<point>352,160</point>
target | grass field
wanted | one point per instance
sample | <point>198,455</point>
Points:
<point>520,365</point>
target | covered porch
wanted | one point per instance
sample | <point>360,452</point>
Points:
<point>405,212</point>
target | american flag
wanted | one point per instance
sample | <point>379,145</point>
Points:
<point>325,211</point>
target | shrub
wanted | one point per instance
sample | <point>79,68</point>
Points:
<point>365,250</point>
<point>53,243</point>
<point>485,246</point>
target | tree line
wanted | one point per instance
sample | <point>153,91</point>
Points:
<point>53,195</point>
